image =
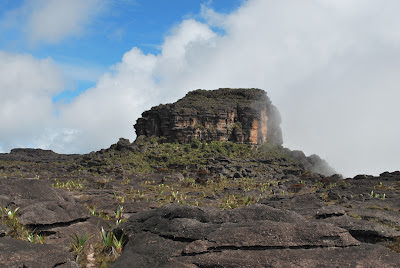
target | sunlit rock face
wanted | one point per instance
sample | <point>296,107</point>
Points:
<point>225,114</point>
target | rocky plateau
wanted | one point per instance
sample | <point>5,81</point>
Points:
<point>206,183</point>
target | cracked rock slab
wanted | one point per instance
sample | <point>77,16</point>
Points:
<point>272,235</point>
<point>40,203</point>
<point>360,256</point>
<point>254,236</point>
<point>16,253</point>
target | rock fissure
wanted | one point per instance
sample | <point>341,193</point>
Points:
<point>260,247</point>
<point>177,238</point>
<point>59,264</point>
<point>47,227</point>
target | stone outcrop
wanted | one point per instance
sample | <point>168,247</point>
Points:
<point>37,155</point>
<point>238,115</point>
<point>254,236</point>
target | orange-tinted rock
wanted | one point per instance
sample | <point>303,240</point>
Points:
<point>238,115</point>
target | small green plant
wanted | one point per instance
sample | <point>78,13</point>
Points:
<point>12,213</point>
<point>11,216</point>
<point>79,242</point>
<point>376,195</point>
<point>247,201</point>
<point>41,238</point>
<point>107,238</point>
<point>119,215</point>
<point>118,244</point>
<point>32,237</point>
<point>111,243</point>
<point>92,210</point>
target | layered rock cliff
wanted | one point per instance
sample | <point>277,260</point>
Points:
<point>225,114</point>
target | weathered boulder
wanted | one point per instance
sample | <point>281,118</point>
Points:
<point>40,204</point>
<point>254,236</point>
<point>239,115</point>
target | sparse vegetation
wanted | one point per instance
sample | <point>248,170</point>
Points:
<point>69,185</point>
<point>9,218</point>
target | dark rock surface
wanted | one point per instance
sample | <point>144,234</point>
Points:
<point>239,115</point>
<point>16,253</point>
<point>255,236</point>
<point>365,231</point>
<point>360,256</point>
<point>39,203</point>
<point>300,218</point>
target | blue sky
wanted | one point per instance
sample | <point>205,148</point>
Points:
<point>75,75</point>
<point>118,26</point>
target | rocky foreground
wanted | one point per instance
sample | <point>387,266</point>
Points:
<point>206,184</point>
<point>262,209</point>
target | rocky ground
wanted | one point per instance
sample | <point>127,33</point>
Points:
<point>201,204</point>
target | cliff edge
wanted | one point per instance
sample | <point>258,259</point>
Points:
<point>226,114</point>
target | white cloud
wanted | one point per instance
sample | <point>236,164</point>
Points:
<point>331,67</point>
<point>51,21</point>
<point>26,88</point>
<point>109,111</point>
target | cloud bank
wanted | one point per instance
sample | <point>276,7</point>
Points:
<point>26,88</point>
<point>331,68</point>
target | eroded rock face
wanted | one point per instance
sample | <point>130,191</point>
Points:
<point>238,115</point>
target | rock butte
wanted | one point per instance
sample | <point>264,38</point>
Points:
<point>226,114</point>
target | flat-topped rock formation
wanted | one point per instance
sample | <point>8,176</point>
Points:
<point>225,114</point>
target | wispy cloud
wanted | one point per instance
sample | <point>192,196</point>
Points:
<point>50,21</point>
